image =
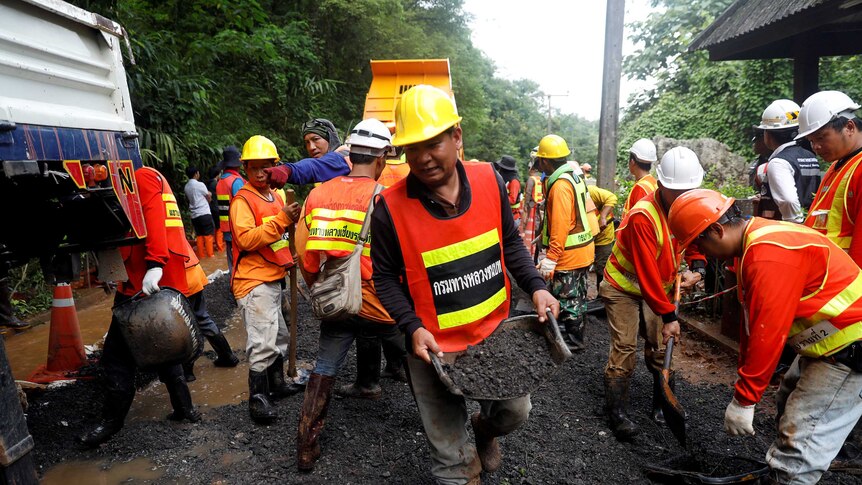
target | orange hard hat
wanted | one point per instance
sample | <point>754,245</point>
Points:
<point>694,211</point>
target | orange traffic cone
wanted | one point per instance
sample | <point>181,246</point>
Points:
<point>65,346</point>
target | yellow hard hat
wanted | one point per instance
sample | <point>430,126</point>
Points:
<point>259,147</point>
<point>422,113</point>
<point>553,146</point>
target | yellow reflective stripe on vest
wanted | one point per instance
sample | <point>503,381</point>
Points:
<point>459,250</point>
<point>224,197</point>
<point>281,243</point>
<point>651,211</point>
<point>624,279</point>
<point>816,336</point>
<point>577,239</point>
<point>334,245</point>
<point>474,313</point>
<point>836,213</point>
<point>173,218</point>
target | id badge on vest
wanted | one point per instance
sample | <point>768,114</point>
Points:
<point>821,218</point>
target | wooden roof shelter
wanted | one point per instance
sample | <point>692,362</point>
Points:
<point>802,30</point>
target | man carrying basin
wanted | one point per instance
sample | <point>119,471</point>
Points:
<point>798,286</point>
<point>449,219</point>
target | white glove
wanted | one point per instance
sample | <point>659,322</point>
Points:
<point>546,268</point>
<point>151,281</point>
<point>738,419</point>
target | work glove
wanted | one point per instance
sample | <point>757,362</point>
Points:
<point>738,419</point>
<point>277,176</point>
<point>546,268</point>
<point>151,281</point>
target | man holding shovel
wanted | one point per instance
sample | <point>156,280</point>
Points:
<point>800,288</point>
<point>446,220</point>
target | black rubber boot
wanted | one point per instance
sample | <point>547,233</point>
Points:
<point>114,412</point>
<point>278,387</point>
<point>575,334</point>
<point>259,407</point>
<point>312,417</point>
<point>226,357</point>
<point>616,404</point>
<point>367,385</point>
<point>189,371</point>
<point>181,401</point>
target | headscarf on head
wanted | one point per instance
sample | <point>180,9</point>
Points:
<point>325,129</point>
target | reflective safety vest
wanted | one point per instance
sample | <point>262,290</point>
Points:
<point>647,184</point>
<point>278,252</point>
<point>828,213</point>
<point>394,171</point>
<point>337,230</point>
<point>223,194</point>
<point>455,272</point>
<point>574,239</point>
<point>620,272</point>
<point>517,205</point>
<point>538,193</point>
<point>806,173</point>
<point>828,319</point>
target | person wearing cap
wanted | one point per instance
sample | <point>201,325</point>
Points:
<point>797,286</point>
<point>259,219</point>
<point>642,155</point>
<point>638,284</point>
<point>828,121</point>
<point>508,169</point>
<point>228,185</point>
<point>327,159</point>
<point>570,225</point>
<point>343,202</point>
<point>792,174</point>
<point>435,232</point>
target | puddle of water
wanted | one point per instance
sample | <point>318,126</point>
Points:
<point>139,470</point>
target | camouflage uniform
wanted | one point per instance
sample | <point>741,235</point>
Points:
<point>570,287</point>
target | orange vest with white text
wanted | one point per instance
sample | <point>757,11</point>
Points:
<point>828,213</point>
<point>278,252</point>
<point>456,275</point>
<point>620,272</point>
<point>829,318</point>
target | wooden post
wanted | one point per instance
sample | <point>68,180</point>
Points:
<point>611,93</point>
<point>294,299</point>
<point>806,75</point>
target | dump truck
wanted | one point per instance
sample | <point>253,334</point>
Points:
<point>391,78</point>
<point>68,143</point>
<point>68,154</point>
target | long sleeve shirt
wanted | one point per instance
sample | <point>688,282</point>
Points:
<point>313,170</point>
<point>780,176</point>
<point>563,218</point>
<point>388,260</point>
<point>604,199</point>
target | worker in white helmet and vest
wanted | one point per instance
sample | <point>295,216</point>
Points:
<point>791,176</point>
<point>642,155</point>
<point>638,281</point>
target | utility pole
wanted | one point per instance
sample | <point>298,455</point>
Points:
<point>549,109</point>
<point>611,72</point>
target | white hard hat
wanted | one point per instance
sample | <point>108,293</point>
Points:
<point>680,169</point>
<point>371,137</point>
<point>823,107</point>
<point>780,115</point>
<point>644,150</point>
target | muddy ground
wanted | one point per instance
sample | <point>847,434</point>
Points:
<point>566,439</point>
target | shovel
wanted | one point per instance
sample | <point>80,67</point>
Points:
<point>674,414</point>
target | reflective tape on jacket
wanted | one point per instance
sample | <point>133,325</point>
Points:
<point>822,325</point>
<point>223,196</point>
<point>575,238</point>
<point>517,205</point>
<point>173,217</point>
<point>828,213</point>
<point>538,192</point>
<point>647,185</point>
<point>455,270</point>
<point>277,252</point>
<point>335,230</point>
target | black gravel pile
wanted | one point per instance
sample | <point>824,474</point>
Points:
<point>507,364</point>
<point>219,300</point>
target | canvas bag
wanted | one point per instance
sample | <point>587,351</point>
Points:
<point>337,293</point>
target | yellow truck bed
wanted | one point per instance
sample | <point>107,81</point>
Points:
<point>392,77</point>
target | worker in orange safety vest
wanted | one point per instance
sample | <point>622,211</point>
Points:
<point>638,280</point>
<point>642,155</point>
<point>797,286</point>
<point>228,185</point>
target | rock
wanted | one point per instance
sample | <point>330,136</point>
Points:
<point>720,164</point>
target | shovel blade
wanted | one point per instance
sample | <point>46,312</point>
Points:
<point>674,414</point>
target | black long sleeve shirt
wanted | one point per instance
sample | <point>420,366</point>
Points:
<point>390,280</point>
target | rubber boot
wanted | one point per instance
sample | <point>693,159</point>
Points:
<point>312,417</point>
<point>189,371</point>
<point>181,401</point>
<point>208,245</point>
<point>278,387</point>
<point>487,446</point>
<point>616,404</point>
<point>201,246</point>
<point>575,334</point>
<point>226,357</point>
<point>219,240</point>
<point>657,413</point>
<point>259,407</point>
<point>367,385</point>
<point>116,407</point>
